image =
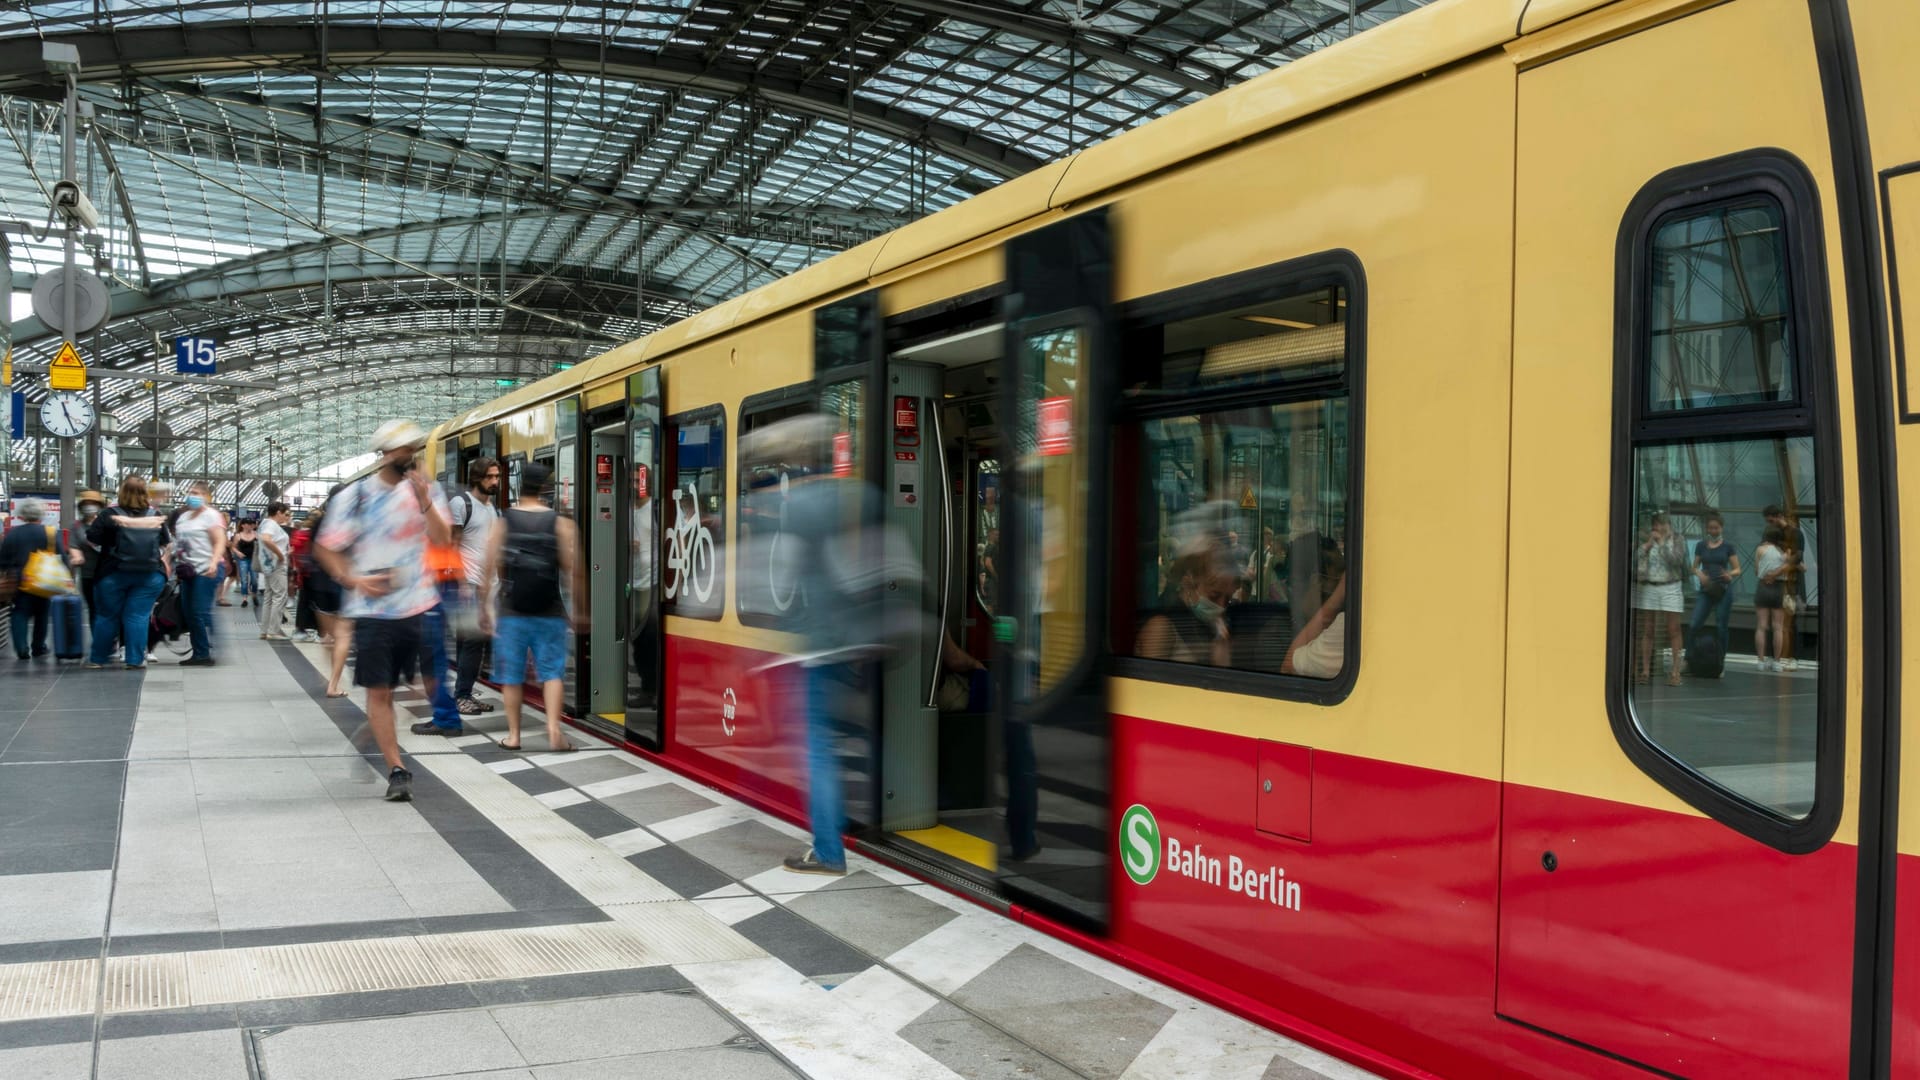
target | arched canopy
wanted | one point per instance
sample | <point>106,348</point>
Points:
<point>388,207</point>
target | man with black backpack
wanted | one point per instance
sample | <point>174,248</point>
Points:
<point>533,548</point>
<point>373,541</point>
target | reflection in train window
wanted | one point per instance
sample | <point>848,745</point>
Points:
<point>1719,325</point>
<point>1244,472</point>
<point>986,535</point>
<point>693,562</point>
<point>767,589</point>
<point>1726,614</point>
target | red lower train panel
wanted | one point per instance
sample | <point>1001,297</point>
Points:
<point>1364,914</point>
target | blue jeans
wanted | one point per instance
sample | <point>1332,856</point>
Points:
<point>244,574</point>
<point>29,617</point>
<point>433,661</point>
<point>122,605</point>
<point>196,596</point>
<point>826,802</point>
<point>1721,609</point>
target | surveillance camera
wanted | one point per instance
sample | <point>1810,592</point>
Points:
<point>74,205</point>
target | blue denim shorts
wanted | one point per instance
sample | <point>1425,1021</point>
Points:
<point>545,636</point>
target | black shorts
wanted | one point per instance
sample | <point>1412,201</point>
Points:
<point>386,652</point>
<point>1767,596</point>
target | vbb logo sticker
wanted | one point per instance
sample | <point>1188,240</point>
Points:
<point>1139,844</point>
<point>729,705</point>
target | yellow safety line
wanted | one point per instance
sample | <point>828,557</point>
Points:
<point>966,847</point>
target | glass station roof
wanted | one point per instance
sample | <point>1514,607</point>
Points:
<point>397,207</point>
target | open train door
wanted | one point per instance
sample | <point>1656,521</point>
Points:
<point>644,638</point>
<point>1050,616</point>
<point>1690,834</point>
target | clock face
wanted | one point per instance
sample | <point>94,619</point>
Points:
<point>66,414</point>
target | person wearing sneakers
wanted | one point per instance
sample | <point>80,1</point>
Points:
<point>473,518</point>
<point>270,560</point>
<point>533,550</point>
<point>199,562</point>
<point>373,541</point>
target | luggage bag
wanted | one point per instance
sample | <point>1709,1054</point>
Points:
<point>69,627</point>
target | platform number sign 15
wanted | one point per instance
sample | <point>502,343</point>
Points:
<point>1139,844</point>
<point>193,355</point>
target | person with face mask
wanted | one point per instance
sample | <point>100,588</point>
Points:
<point>81,552</point>
<point>374,543</point>
<point>199,562</point>
<point>1191,626</point>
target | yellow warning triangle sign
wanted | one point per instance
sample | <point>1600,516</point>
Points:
<point>1246,499</point>
<point>6,369</point>
<point>67,372</point>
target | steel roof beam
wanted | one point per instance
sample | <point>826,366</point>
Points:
<point>226,47</point>
<point>1059,33</point>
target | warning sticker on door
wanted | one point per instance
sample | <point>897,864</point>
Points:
<point>1054,420</point>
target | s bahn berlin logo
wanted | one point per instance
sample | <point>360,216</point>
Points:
<point>1143,851</point>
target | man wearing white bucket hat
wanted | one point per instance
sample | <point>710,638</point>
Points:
<point>374,543</point>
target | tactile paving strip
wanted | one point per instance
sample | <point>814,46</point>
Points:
<point>640,935</point>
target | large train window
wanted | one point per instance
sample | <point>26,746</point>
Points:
<point>767,590</point>
<point>1241,425</point>
<point>693,557</point>
<point>1725,523</point>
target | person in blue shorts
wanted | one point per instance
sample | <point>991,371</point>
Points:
<point>533,550</point>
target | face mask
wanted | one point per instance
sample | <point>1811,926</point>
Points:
<point>89,512</point>
<point>195,502</point>
<point>1206,610</point>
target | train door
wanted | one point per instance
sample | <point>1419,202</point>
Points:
<point>603,510</point>
<point>1050,613</point>
<point>1682,802</point>
<point>639,571</point>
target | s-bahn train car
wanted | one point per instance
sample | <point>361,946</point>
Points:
<point>1430,516</point>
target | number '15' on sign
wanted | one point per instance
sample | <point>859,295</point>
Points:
<point>193,355</point>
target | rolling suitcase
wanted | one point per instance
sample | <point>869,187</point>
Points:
<point>69,634</point>
<point>1705,660</point>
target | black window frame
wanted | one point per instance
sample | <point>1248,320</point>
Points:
<point>751,406</point>
<point>670,439</point>
<point>1812,412</point>
<point>1337,267</point>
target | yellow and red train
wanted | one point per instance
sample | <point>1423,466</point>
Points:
<point>1349,481</point>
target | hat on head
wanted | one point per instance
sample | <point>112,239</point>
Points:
<point>91,496</point>
<point>395,434</point>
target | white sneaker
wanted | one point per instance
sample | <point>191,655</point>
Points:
<point>1791,663</point>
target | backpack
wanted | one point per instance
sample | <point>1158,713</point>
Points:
<point>135,549</point>
<point>531,565</point>
<point>1705,659</point>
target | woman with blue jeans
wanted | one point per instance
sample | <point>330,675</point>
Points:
<point>1716,565</point>
<point>199,562</point>
<point>128,579</point>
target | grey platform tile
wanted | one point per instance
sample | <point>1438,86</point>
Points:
<point>713,1063</point>
<point>393,1048</point>
<point>801,945</point>
<point>54,907</point>
<point>1281,1068</point>
<point>490,1074</point>
<point>154,944</point>
<point>54,734</point>
<point>612,1027</point>
<point>593,768</point>
<point>980,1051</point>
<point>30,952</point>
<point>679,871</point>
<point>203,1055</point>
<point>169,1022</point>
<point>536,781</point>
<point>65,1029</point>
<point>1064,1011</point>
<point>742,850</point>
<point>566,987</point>
<point>659,803</point>
<point>351,930</point>
<point>880,921</point>
<point>595,819</point>
<point>374,1003</point>
<point>59,817</point>
<point>66,1061</point>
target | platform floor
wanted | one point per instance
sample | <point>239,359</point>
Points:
<point>200,879</point>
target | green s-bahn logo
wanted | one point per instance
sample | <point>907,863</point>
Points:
<point>1139,844</point>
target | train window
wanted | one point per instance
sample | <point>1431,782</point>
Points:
<point>1240,436</point>
<point>1720,333</point>
<point>693,562</point>
<point>766,587</point>
<point>1722,628</point>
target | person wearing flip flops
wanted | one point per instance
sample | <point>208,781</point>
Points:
<point>532,550</point>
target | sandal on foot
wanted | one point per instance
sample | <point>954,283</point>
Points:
<point>515,747</point>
